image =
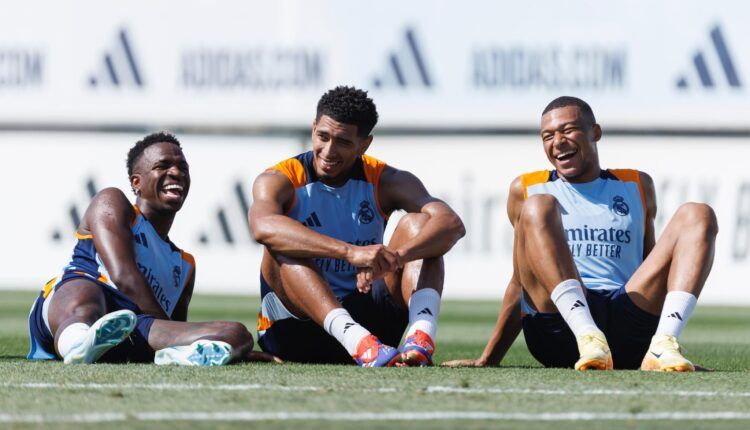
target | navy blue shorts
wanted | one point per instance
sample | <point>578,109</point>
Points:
<point>133,349</point>
<point>628,329</point>
<point>305,341</point>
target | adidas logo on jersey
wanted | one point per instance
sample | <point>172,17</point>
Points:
<point>578,304</point>
<point>312,221</point>
<point>140,239</point>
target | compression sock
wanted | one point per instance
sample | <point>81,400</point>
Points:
<point>339,324</point>
<point>678,306</point>
<point>70,337</point>
<point>424,307</point>
<point>571,302</point>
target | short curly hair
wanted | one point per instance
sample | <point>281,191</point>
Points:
<point>137,150</point>
<point>565,101</point>
<point>349,105</point>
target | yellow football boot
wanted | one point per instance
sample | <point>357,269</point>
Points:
<point>594,350</point>
<point>664,355</point>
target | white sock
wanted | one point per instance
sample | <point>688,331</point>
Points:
<point>70,337</point>
<point>678,306</point>
<point>424,308</point>
<point>339,324</point>
<point>571,303</point>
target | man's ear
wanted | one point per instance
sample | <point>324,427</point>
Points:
<point>366,144</point>
<point>135,183</point>
<point>597,132</point>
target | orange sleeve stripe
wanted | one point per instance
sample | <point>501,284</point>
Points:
<point>293,169</point>
<point>533,178</point>
<point>187,257</point>
<point>373,169</point>
<point>135,217</point>
<point>631,175</point>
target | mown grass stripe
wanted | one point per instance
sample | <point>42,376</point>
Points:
<point>373,416</point>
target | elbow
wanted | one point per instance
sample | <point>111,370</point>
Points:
<point>261,232</point>
<point>457,227</point>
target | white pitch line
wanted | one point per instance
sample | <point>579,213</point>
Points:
<point>215,387</point>
<point>588,392</point>
<point>372,416</point>
<point>430,389</point>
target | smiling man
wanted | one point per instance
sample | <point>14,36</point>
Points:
<point>591,286</point>
<point>124,295</point>
<point>331,291</point>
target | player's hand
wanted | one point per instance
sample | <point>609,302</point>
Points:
<point>364,279</point>
<point>464,362</point>
<point>264,357</point>
<point>377,257</point>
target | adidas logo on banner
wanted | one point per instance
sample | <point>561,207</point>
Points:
<point>719,53</point>
<point>578,304</point>
<point>312,221</point>
<point>675,315</point>
<point>75,214</point>
<point>406,67</point>
<point>119,67</point>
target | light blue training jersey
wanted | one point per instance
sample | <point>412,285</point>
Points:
<point>167,268</point>
<point>604,223</point>
<point>350,213</point>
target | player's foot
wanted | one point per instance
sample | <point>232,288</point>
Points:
<point>107,332</point>
<point>372,353</point>
<point>594,350</point>
<point>664,354</point>
<point>417,350</point>
<point>202,352</point>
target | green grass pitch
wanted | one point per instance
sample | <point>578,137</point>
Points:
<point>520,394</point>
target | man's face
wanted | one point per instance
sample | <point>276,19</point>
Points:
<point>336,146</point>
<point>162,177</point>
<point>570,143</point>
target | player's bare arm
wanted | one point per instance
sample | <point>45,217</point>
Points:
<point>180,312</point>
<point>649,194</point>
<point>402,190</point>
<point>272,196</point>
<point>108,219</point>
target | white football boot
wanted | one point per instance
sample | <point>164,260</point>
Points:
<point>106,333</point>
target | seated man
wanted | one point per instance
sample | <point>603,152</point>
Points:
<point>330,290</point>
<point>583,226</point>
<point>126,291</point>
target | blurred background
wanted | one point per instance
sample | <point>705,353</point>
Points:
<point>459,86</point>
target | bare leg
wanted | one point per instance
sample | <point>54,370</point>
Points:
<point>550,278</point>
<point>542,252</point>
<point>165,334</point>
<point>418,274</point>
<point>300,286</point>
<point>76,301</point>
<point>680,261</point>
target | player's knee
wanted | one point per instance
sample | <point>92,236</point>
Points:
<point>699,216</point>
<point>539,209</point>
<point>234,333</point>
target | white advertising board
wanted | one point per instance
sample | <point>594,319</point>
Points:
<point>429,64</point>
<point>49,176</point>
